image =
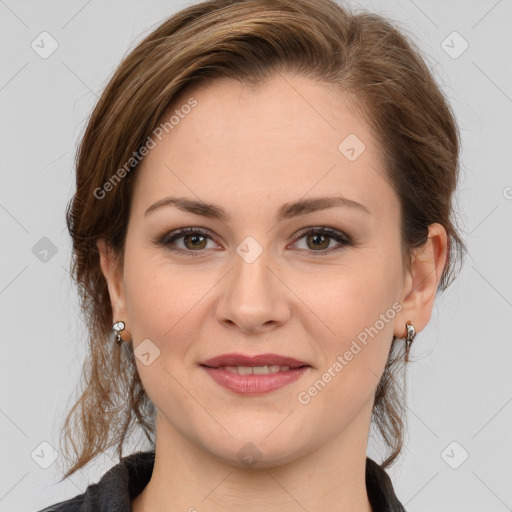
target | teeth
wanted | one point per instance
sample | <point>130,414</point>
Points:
<point>256,370</point>
<point>244,370</point>
<point>259,370</point>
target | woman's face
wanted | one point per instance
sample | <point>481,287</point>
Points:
<point>254,281</point>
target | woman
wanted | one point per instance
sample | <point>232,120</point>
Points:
<point>263,217</point>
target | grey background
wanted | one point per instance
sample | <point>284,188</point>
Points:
<point>460,387</point>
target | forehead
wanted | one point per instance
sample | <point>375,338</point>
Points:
<point>281,140</point>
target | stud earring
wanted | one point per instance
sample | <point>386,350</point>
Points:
<point>117,329</point>
<point>411,333</point>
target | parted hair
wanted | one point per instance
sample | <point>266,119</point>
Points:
<point>367,58</point>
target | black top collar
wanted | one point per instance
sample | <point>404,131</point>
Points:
<point>122,483</point>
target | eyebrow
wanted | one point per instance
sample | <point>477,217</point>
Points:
<point>287,210</point>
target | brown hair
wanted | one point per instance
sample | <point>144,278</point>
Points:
<point>362,55</point>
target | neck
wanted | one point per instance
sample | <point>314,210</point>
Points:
<point>186,477</point>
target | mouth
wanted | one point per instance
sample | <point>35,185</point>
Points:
<point>253,375</point>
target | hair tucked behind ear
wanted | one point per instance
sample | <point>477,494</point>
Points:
<point>363,56</point>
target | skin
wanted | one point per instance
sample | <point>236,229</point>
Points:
<point>249,151</point>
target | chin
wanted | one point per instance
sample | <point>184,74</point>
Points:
<point>257,450</point>
<point>253,455</point>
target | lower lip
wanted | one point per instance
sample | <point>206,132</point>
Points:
<point>254,384</point>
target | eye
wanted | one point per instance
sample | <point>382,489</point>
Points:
<point>194,240</point>
<point>320,238</point>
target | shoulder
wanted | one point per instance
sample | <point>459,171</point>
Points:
<point>116,489</point>
<point>380,489</point>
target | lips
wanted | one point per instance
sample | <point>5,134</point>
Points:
<point>254,375</point>
<point>256,360</point>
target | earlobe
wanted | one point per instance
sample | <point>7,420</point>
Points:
<point>422,281</point>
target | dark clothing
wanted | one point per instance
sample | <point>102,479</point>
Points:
<point>122,483</point>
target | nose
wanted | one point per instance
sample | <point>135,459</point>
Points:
<point>254,297</point>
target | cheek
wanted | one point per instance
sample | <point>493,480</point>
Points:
<point>356,311</point>
<point>159,298</point>
<point>161,306</point>
<point>355,346</point>
<point>347,299</point>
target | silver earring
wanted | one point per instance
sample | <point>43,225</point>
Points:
<point>411,333</point>
<point>117,329</point>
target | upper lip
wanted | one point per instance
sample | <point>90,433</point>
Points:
<point>256,360</point>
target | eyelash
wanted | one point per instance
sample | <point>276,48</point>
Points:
<point>168,238</point>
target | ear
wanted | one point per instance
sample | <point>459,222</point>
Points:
<point>422,280</point>
<point>113,275</point>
